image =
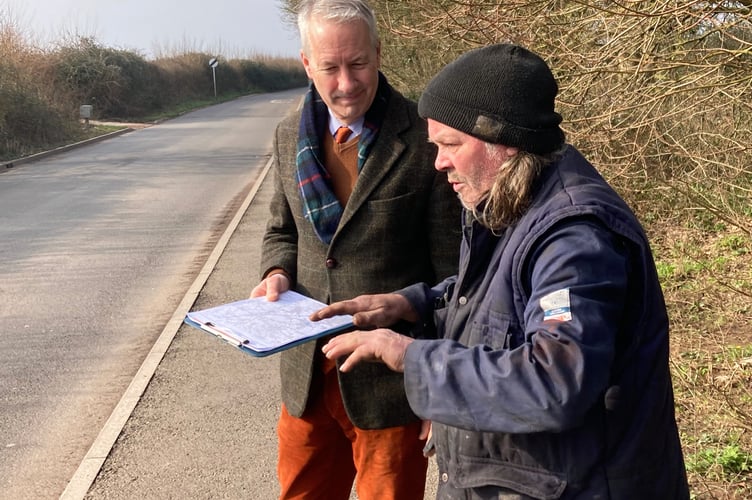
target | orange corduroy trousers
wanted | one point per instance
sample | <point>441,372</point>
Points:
<point>321,453</point>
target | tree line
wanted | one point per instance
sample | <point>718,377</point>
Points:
<point>41,90</point>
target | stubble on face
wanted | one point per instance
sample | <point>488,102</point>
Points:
<point>478,182</point>
<point>474,167</point>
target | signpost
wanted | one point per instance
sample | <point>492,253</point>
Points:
<point>213,64</point>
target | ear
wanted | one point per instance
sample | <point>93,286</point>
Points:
<point>378,54</point>
<point>306,64</point>
<point>510,151</point>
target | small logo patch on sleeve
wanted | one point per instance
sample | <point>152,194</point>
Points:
<point>556,306</point>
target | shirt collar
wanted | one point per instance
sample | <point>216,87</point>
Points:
<point>356,126</point>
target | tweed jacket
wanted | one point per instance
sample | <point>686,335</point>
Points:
<point>400,226</point>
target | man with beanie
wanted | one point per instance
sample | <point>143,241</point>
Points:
<point>549,377</point>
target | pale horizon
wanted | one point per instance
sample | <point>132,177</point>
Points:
<point>227,28</point>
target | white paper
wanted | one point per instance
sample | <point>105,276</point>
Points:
<point>261,325</point>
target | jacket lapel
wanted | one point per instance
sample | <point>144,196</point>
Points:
<point>381,161</point>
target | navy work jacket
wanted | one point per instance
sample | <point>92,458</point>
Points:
<point>551,376</point>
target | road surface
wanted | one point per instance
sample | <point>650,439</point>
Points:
<point>98,246</point>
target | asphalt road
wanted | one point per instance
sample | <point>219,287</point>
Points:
<point>204,427</point>
<point>98,248</point>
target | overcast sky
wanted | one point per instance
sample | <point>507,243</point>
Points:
<point>230,28</point>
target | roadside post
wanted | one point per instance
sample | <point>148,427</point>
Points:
<point>85,113</point>
<point>213,64</point>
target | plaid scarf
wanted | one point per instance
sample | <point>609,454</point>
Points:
<point>320,206</point>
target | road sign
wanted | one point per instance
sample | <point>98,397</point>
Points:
<point>213,63</point>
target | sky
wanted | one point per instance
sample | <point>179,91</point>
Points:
<point>229,28</point>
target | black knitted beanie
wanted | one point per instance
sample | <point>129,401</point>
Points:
<point>502,94</point>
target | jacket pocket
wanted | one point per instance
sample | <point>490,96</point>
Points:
<point>494,332</point>
<point>476,472</point>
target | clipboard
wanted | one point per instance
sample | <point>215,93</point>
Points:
<point>260,328</point>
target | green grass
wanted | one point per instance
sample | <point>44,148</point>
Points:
<point>187,106</point>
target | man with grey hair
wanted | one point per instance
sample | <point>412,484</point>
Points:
<point>357,208</point>
<point>549,376</point>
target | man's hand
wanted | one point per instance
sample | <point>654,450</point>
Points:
<point>381,345</point>
<point>426,434</point>
<point>271,287</point>
<point>371,311</point>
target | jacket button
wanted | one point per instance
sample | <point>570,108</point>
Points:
<point>463,300</point>
<point>331,263</point>
<point>444,477</point>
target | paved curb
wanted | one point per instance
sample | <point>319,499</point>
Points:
<point>4,167</point>
<point>90,466</point>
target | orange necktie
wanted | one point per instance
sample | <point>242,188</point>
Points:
<point>341,135</point>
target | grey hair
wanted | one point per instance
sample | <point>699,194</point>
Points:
<point>338,11</point>
<point>513,189</point>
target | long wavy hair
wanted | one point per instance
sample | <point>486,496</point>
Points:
<point>513,190</point>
